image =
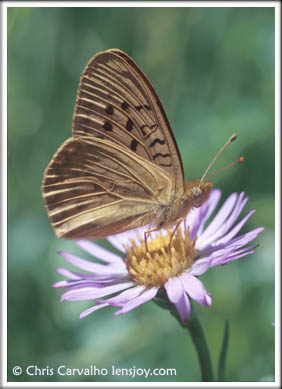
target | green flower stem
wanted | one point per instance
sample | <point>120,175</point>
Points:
<point>223,353</point>
<point>195,329</point>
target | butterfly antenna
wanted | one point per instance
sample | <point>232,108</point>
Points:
<point>239,160</point>
<point>231,139</point>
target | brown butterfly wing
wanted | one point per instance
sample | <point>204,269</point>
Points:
<point>94,188</point>
<point>116,102</point>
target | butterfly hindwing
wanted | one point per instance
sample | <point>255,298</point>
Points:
<point>94,188</point>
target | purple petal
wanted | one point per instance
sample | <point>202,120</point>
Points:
<point>202,214</point>
<point>195,289</point>
<point>237,242</point>
<point>200,266</point>
<point>116,242</point>
<point>220,254</point>
<point>60,284</point>
<point>232,255</point>
<point>94,267</point>
<point>90,293</point>
<point>92,309</point>
<point>174,289</point>
<point>147,295</point>
<point>133,234</point>
<point>236,212</point>
<point>121,240</point>
<point>237,256</point>
<point>204,242</point>
<point>220,217</point>
<point>124,297</point>
<point>101,278</point>
<point>78,284</point>
<point>192,221</point>
<point>176,294</point>
<point>235,230</point>
<point>98,251</point>
<point>68,273</point>
<point>248,237</point>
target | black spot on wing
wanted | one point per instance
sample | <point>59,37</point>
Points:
<point>107,126</point>
<point>133,145</point>
<point>129,125</point>
<point>124,105</point>
<point>109,110</point>
<point>157,140</point>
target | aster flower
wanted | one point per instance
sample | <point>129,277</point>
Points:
<point>173,262</point>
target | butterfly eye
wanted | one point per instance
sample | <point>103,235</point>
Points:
<point>197,194</point>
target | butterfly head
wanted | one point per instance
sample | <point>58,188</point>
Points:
<point>197,191</point>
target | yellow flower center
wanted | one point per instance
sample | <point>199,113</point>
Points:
<point>167,257</point>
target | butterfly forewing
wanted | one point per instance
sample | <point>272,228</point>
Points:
<point>116,102</point>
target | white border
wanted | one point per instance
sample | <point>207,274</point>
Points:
<point>276,5</point>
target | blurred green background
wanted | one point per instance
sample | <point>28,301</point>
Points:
<point>213,69</point>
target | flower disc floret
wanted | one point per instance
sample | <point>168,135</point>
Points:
<point>167,257</point>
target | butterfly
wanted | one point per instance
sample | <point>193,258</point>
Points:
<point>121,169</point>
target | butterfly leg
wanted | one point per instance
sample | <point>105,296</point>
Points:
<point>145,236</point>
<point>178,221</point>
<point>185,222</point>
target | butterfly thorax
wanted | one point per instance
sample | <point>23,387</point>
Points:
<point>195,194</point>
